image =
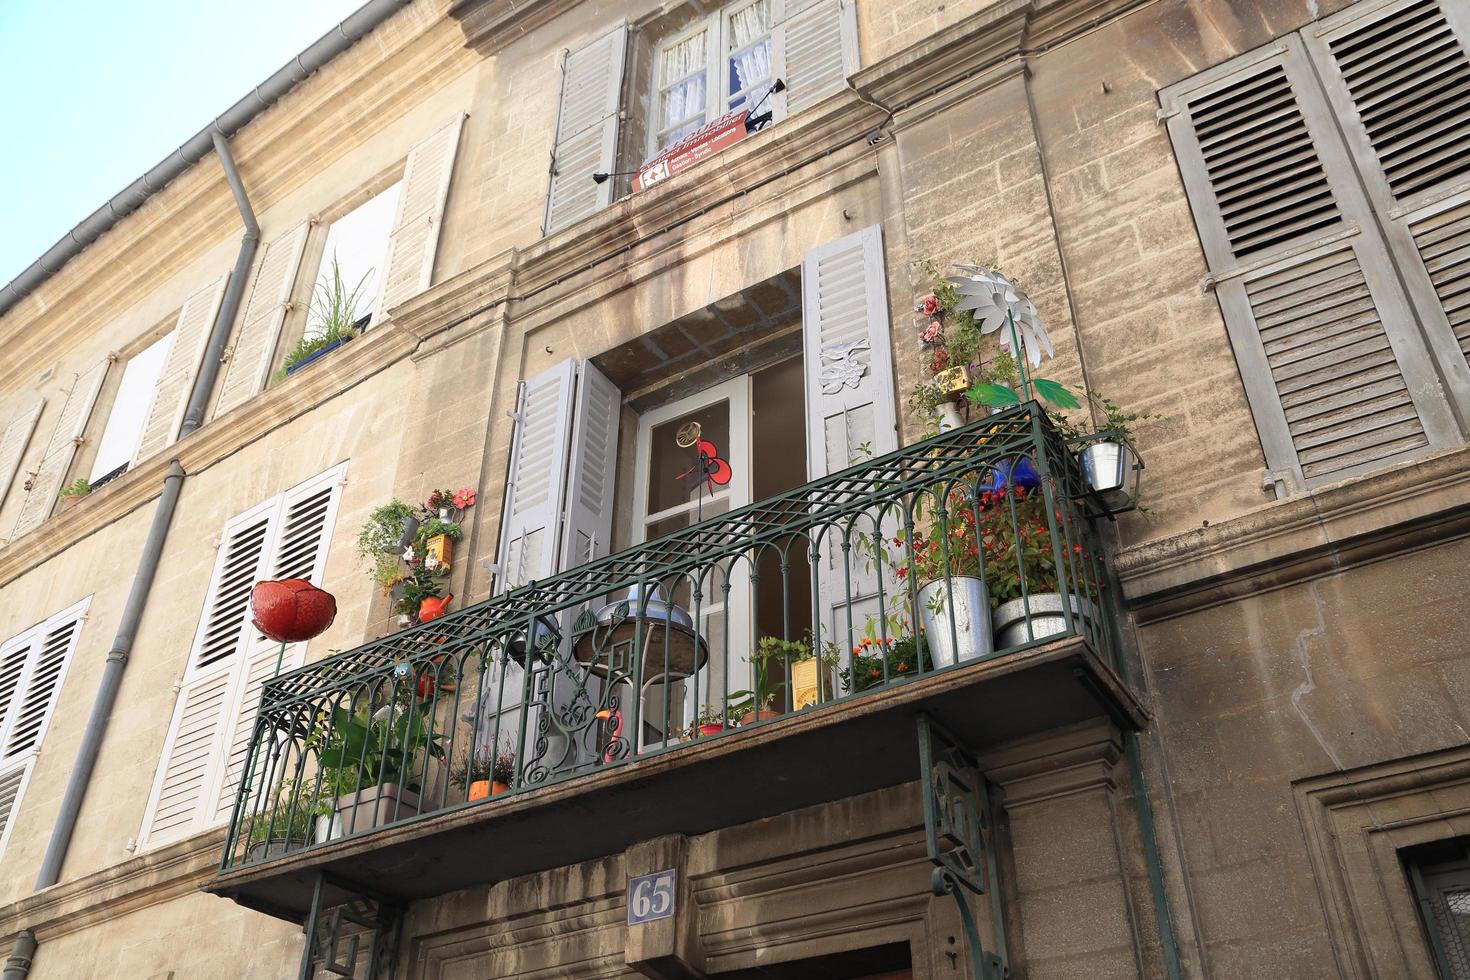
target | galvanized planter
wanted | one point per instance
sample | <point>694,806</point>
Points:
<point>1047,618</point>
<point>373,806</point>
<point>275,847</point>
<point>1111,469</point>
<point>960,602</point>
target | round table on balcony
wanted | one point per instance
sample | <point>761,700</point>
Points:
<point>685,653</point>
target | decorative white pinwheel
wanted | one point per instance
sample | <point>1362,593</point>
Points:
<point>996,303</point>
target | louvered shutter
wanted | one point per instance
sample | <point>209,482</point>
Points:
<point>530,522</point>
<point>586,129</point>
<point>819,41</point>
<point>60,450</point>
<point>415,235</point>
<point>13,443</point>
<point>176,380</point>
<point>1398,75</point>
<point>850,410</point>
<point>1336,372</point>
<point>192,750</point>
<point>592,468</point>
<point>260,326</point>
<point>300,551</point>
<point>32,668</point>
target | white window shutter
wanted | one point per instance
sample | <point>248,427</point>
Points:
<point>1396,73</point>
<point>60,450</point>
<point>260,326</point>
<point>820,44</point>
<point>13,443</point>
<point>1331,356</point>
<point>13,780</point>
<point>415,235</point>
<point>188,760</point>
<point>530,522</point>
<point>847,353</point>
<point>176,380</point>
<point>586,129</point>
<point>593,467</point>
<point>850,409</point>
<point>304,529</point>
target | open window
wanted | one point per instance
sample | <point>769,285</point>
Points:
<point>122,432</point>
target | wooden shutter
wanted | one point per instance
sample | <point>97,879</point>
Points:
<point>1336,371</point>
<point>586,129</point>
<point>176,380</point>
<point>1397,74</point>
<point>32,668</point>
<point>43,486</point>
<point>260,326</point>
<point>530,523</point>
<point>415,234</point>
<point>850,409</point>
<point>592,469</point>
<point>307,513</point>
<point>819,41</point>
<point>209,736</point>
<point>13,443</point>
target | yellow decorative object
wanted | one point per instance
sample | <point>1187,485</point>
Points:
<point>441,550</point>
<point>954,380</point>
<point>805,691</point>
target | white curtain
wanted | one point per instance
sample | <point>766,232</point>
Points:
<point>750,67</point>
<point>683,99</point>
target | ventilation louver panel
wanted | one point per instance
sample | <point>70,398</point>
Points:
<point>42,688</point>
<point>10,784</point>
<point>304,534</point>
<point>1345,400</point>
<point>1409,78</point>
<point>1444,243</point>
<point>1263,168</point>
<point>232,596</point>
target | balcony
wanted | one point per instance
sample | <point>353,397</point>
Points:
<point>760,661</point>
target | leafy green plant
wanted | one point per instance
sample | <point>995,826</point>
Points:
<point>79,488</point>
<point>332,316</point>
<point>769,650</point>
<point>362,748</point>
<point>435,526</point>
<point>290,818</point>
<point>902,654</point>
<point>377,542</point>
<point>1018,545</point>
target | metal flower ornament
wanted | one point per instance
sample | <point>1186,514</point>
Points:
<point>996,302</point>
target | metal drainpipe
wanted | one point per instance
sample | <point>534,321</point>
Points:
<point>18,965</point>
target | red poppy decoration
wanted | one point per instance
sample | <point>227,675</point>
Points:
<point>291,610</point>
<point>708,466</point>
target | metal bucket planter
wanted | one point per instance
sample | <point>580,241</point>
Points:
<point>1047,618</point>
<point>956,615</point>
<point>1111,469</point>
<point>275,847</point>
<point>373,806</point>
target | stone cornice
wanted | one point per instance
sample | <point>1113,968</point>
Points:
<point>210,443</point>
<point>137,883</point>
<point>1389,512</point>
<point>490,25</point>
<point>409,57</point>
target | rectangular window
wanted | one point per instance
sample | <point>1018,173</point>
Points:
<point>351,276</point>
<point>32,668</point>
<point>1440,876</point>
<point>124,428</point>
<point>204,754</point>
<point>1340,320</point>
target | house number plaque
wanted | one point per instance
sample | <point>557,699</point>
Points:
<point>651,897</point>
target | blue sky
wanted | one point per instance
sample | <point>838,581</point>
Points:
<point>97,91</point>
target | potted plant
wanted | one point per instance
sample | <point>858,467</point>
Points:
<point>73,492</point>
<point>1110,461</point>
<point>473,774</point>
<point>503,770</point>
<point>899,654</point>
<point>760,704</point>
<point>388,530</point>
<point>1019,551</point>
<point>331,320</point>
<point>442,513</point>
<point>711,721</point>
<point>286,826</point>
<point>941,557</point>
<point>370,761</point>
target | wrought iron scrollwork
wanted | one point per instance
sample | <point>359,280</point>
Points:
<point>337,937</point>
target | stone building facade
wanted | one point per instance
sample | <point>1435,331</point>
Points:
<point>1249,220</point>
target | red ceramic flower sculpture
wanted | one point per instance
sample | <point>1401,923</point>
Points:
<point>291,610</point>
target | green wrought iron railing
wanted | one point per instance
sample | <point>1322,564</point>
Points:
<point>958,549</point>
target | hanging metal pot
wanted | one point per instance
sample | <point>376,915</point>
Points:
<point>1112,471</point>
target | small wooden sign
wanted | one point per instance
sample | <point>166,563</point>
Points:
<point>954,380</point>
<point>651,897</point>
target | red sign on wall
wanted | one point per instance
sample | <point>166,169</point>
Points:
<point>704,142</point>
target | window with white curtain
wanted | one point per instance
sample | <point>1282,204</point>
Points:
<point>720,63</point>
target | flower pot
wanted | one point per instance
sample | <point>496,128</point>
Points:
<point>410,528</point>
<point>1111,469</point>
<point>72,500</point>
<point>497,787</point>
<point>440,549</point>
<point>761,715</point>
<point>711,728</point>
<point>956,615</point>
<point>1012,629</point>
<point>316,355</point>
<point>804,689</point>
<point>479,789</point>
<point>275,847</point>
<point>374,806</point>
<point>949,416</point>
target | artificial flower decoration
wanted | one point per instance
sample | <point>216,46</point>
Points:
<point>463,499</point>
<point>995,300</point>
<point>930,335</point>
<point>929,305</point>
